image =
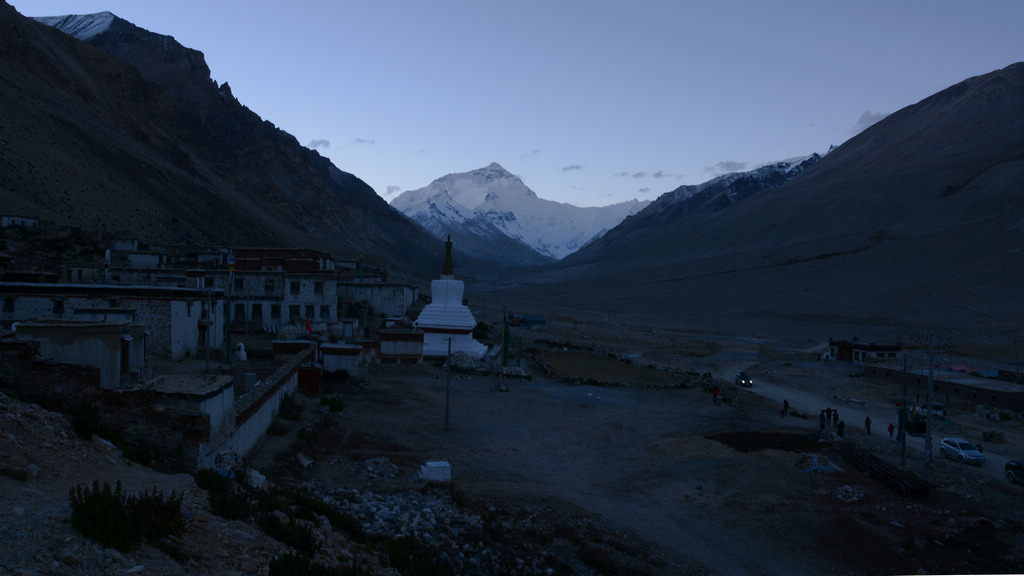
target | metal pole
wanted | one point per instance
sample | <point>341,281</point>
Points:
<point>448,385</point>
<point>902,422</point>
<point>209,325</point>
<point>928,413</point>
<point>227,316</point>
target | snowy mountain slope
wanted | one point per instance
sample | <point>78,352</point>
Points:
<point>671,208</point>
<point>492,199</point>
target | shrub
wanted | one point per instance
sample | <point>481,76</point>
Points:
<point>102,515</point>
<point>212,481</point>
<point>411,557</point>
<point>295,565</point>
<point>334,404</point>
<point>121,521</point>
<point>15,473</point>
<point>85,420</point>
<point>231,505</point>
<point>289,409</point>
<point>295,535</point>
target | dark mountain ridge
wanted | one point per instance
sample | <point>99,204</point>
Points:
<point>916,222</point>
<point>128,134</point>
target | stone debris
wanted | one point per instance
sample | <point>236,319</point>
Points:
<point>848,494</point>
<point>813,464</point>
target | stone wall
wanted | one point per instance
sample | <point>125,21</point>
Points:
<point>389,299</point>
<point>256,410</point>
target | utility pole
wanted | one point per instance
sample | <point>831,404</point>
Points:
<point>902,418</point>
<point>448,385</point>
<point>607,328</point>
<point>928,412</point>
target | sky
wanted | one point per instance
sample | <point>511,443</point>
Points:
<point>589,102</point>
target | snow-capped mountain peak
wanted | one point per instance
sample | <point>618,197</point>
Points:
<point>497,199</point>
<point>81,26</point>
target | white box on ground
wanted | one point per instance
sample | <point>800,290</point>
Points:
<point>438,471</point>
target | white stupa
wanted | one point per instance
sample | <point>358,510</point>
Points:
<point>447,317</point>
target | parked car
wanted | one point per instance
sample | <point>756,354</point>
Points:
<point>962,450</point>
<point>743,380</point>
<point>1015,471</point>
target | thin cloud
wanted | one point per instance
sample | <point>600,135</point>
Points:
<point>644,190</point>
<point>622,174</point>
<point>531,154</point>
<point>865,121</point>
<point>726,166</point>
<point>392,190</point>
<point>639,174</point>
<point>572,167</point>
<point>314,144</point>
<point>363,141</point>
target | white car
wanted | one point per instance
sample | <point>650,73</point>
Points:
<point>962,450</point>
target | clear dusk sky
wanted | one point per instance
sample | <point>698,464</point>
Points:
<point>589,102</point>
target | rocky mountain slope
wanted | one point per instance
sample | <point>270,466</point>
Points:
<point>125,132</point>
<point>489,206</point>
<point>913,226</point>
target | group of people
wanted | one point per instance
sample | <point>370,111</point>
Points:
<point>830,418</point>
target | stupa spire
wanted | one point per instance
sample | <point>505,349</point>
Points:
<point>447,271</point>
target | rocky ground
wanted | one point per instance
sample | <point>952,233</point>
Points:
<point>594,465</point>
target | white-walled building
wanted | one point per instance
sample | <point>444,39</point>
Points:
<point>180,321</point>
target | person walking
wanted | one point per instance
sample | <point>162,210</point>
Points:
<point>828,416</point>
<point>821,421</point>
<point>835,418</point>
<point>714,394</point>
<point>785,408</point>
<point>867,424</point>
<point>840,428</point>
<point>891,428</point>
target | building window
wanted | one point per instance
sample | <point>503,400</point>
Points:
<point>294,287</point>
<point>239,311</point>
<point>309,312</point>
<point>268,286</point>
<point>318,287</point>
<point>8,305</point>
<point>325,312</point>
<point>58,307</point>
<point>257,311</point>
<point>275,311</point>
<point>293,311</point>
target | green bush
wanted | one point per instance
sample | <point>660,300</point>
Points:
<point>410,557</point>
<point>289,409</point>
<point>122,521</point>
<point>231,505</point>
<point>85,420</point>
<point>334,404</point>
<point>296,565</point>
<point>212,481</point>
<point>297,536</point>
<point>15,473</point>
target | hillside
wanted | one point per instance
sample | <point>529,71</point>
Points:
<point>912,227</point>
<point>129,135</point>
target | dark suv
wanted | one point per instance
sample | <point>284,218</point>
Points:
<point>743,380</point>
<point>1015,471</point>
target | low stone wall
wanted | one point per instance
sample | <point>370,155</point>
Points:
<point>256,410</point>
